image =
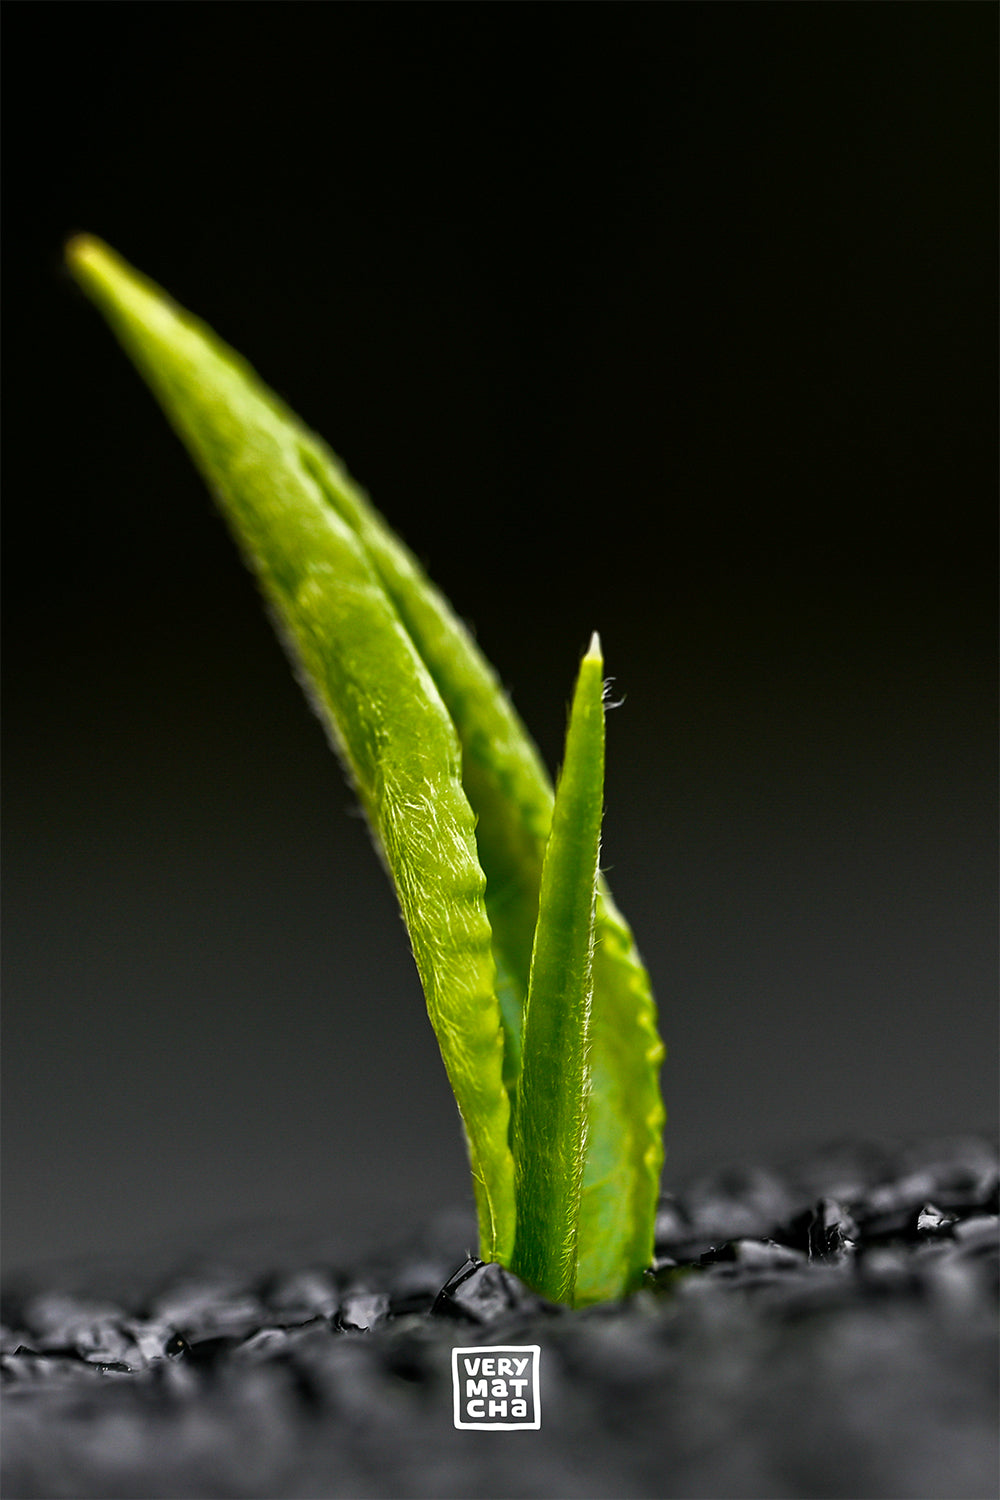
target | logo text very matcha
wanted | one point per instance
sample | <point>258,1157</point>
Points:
<point>496,1386</point>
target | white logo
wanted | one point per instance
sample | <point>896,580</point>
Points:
<point>496,1387</point>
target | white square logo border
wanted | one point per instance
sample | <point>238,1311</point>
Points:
<point>496,1387</point>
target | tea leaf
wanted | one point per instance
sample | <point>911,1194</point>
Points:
<point>621,1180</point>
<point>502,772</point>
<point>550,1126</point>
<point>369,684</point>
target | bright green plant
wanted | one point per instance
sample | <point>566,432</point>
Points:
<point>540,1002</point>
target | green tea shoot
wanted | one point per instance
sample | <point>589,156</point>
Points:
<point>541,1005</point>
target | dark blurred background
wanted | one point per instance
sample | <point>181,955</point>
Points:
<point>676,321</point>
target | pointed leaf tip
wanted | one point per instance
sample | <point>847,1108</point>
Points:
<point>76,244</point>
<point>82,249</point>
<point>594,652</point>
<point>96,268</point>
